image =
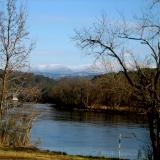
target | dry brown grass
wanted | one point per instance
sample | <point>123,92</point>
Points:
<point>27,154</point>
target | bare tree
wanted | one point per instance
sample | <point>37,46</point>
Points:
<point>15,46</point>
<point>112,40</point>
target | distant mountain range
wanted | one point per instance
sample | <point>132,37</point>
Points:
<point>59,71</point>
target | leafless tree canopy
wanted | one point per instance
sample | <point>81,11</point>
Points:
<point>114,40</point>
<point>15,47</point>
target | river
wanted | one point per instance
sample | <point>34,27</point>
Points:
<point>89,133</point>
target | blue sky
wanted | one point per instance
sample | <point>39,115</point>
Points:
<point>51,24</point>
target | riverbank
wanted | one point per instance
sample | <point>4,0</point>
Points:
<point>121,110</point>
<point>36,154</point>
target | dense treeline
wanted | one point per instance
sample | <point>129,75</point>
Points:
<point>109,91</point>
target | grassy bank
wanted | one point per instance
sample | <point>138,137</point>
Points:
<point>36,154</point>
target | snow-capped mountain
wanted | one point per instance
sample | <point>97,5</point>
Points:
<point>58,71</point>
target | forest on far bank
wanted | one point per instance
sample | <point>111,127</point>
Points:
<point>108,91</point>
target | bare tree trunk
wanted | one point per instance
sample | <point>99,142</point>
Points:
<point>158,135</point>
<point>154,127</point>
<point>3,90</point>
<point>152,135</point>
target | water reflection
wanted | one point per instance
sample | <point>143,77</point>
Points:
<point>89,133</point>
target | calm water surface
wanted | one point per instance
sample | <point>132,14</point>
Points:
<point>89,133</point>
